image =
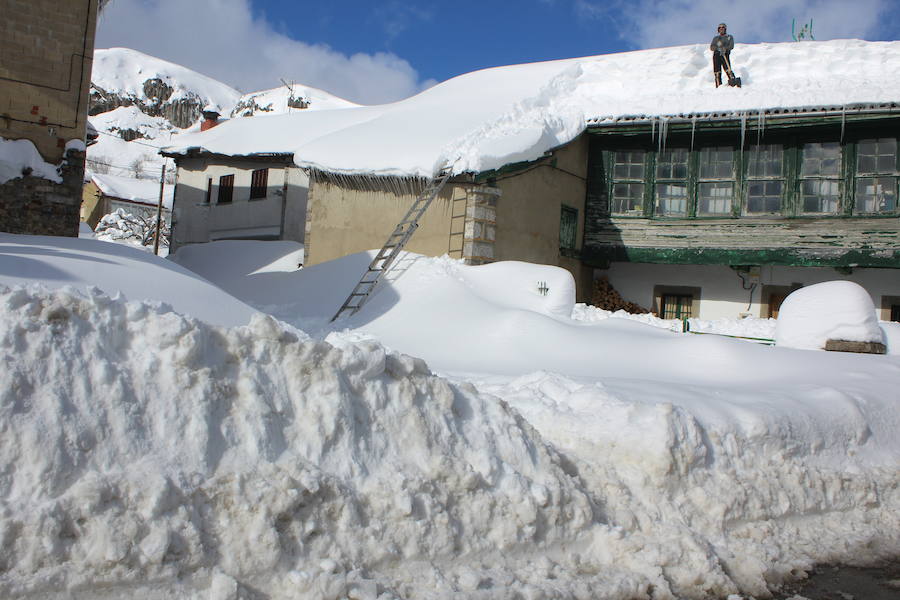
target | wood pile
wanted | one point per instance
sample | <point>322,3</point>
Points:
<point>606,297</point>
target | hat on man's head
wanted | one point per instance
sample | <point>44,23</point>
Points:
<point>722,25</point>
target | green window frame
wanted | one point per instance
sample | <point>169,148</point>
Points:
<point>672,188</point>
<point>629,168</point>
<point>716,182</point>
<point>821,178</point>
<point>568,227</point>
<point>764,182</point>
<point>876,176</point>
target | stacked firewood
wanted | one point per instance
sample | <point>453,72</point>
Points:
<point>607,298</point>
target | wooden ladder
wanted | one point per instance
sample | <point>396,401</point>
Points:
<point>394,244</point>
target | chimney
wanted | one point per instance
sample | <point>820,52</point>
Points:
<point>211,114</point>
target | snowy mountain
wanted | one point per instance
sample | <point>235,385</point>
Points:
<point>158,88</point>
<point>139,103</point>
<point>287,99</point>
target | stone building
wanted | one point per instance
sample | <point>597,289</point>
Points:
<point>46,50</point>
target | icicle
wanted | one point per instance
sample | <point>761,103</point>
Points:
<point>743,128</point>
<point>652,128</point>
<point>760,125</point>
<point>663,132</point>
<point>843,120</point>
<point>693,130</point>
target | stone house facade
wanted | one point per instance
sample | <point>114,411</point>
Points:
<point>46,50</point>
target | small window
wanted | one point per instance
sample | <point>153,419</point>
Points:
<point>671,183</point>
<point>890,308</point>
<point>259,180</point>
<point>820,178</point>
<point>876,176</point>
<point>676,306</point>
<point>568,227</point>
<point>209,190</point>
<point>716,189</point>
<point>675,302</point>
<point>226,189</point>
<point>765,179</point>
<point>628,182</point>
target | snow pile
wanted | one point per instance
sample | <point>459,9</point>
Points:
<point>283,100</point>
<point>834,310</point>
<point>485,119</point>
<point>185,451</point>
<point>20,157</point>
<point>156,455</point>
<point>200,458</point>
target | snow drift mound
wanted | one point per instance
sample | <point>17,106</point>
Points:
<point>173,449</point>
<point>833,310</point>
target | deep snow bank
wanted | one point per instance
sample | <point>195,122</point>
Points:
<point>142,446</point>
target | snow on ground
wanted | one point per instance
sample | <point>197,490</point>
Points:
<point>57,263</point>
<point>485,119</point>
<point>560,458</point>
<point>19,156</point>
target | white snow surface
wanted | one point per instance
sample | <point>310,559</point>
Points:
<point>275,101</point>
<point>833,310</point>
<point>142,191</point>
<point>154,454</point>
<point>485,119</point>
<point>124,71</point>
<point>16,155</point>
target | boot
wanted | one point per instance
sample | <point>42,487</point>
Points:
<point>718,79</point>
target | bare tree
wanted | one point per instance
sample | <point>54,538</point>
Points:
<point>124,226</point>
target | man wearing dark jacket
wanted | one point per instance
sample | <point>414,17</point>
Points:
<point>721,47</point>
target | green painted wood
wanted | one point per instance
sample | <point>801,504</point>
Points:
<point>601,257</point>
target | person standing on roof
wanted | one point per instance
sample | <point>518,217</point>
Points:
<point>721,47</point>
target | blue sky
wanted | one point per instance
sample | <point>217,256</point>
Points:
<point>371,52</point>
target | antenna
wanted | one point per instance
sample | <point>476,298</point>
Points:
<point>290,87</point>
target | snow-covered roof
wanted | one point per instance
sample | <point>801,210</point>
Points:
<point>485,119</point>
<point>141,191</point>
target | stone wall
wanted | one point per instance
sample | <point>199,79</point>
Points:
<point>37,206</point>
<point>47,49</point>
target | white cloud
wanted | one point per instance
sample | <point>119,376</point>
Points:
<point>659,23</point>
<point>225,40</point>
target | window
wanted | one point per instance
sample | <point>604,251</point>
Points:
<point>226,189</point>
<point>209,190</point>
<point>628,182</point>
<point>676,306</point>
<point>765,179</point>
<point>259,179</point>
<point>675,302</point>
<point>820,178</point>
<point>568,227</point>
<point>876,176</point>
<point>716,182</point>
<point>671,183</point>
<point>890,308</point>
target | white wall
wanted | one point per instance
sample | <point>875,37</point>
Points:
<point>721,292</point>
<point>197,221</point>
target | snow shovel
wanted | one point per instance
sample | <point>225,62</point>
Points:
<point>732,80</point>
